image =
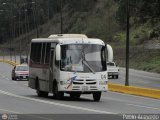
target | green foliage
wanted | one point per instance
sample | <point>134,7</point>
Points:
<point>120,37</point>
<point>99,23</point>
<point>140,58</point>
<point>140,10</point>
<point>155,33</point>
<point>17,17</point>
<point>146,62</point>
<point>104,17</point>
<point>140,34</point>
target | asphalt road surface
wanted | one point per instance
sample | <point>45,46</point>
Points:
<point>139,78</point>
<point>16,98</point>
<point>136,77</point>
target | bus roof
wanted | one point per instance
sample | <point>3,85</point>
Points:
<point>67,36</point>
<point>69,40</point>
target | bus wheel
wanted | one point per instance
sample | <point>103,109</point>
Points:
<point>56,93</point>
<point>97,96</point>
<point>117,76</point>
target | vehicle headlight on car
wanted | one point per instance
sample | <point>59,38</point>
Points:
<point>63,82</point>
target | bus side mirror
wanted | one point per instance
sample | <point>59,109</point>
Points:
<point>58,52</point>
<point>110,53</point>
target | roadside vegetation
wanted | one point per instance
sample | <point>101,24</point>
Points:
<point>104,19</point>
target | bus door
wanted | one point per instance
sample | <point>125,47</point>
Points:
<point>51,68</point>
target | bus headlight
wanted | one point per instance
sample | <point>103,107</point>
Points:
<point>62,82</point>
<point>102,82</point>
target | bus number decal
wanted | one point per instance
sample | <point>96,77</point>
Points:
<point>103,76</point>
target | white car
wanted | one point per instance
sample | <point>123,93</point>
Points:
<point>113,70</point>
<point>20,72</point>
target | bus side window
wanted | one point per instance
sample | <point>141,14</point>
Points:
<point>57,63</point>
<point>47,53</point>
<point>43,50</point>
<point>35,52</point>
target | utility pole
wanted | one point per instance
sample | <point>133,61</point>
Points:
<point>48,10</point>
<point>61,18</point>
<point>127,44</point>
<point>11,30</point>
<point>37,18</point>
<point>3,54</point>
<point>26,27</point>
<point>20,41</point>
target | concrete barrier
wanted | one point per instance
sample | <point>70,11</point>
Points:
<point>146,92</point>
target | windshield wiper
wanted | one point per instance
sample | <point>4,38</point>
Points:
<point>86,63</point>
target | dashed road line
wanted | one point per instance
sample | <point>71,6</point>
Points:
<point>4,110</point>
<point>144,106</point>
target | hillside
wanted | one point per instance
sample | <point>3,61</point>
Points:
<point>104,19</point>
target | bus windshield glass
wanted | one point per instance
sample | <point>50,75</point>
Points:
<point>83,58</point>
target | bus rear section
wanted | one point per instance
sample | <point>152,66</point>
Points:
<point>68,65</point>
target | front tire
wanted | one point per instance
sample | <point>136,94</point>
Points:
<point>58,95</point>
<point>117,76</point>
<point>97,96</point>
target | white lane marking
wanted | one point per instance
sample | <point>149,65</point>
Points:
<point>26,84</point>
<point>4,110</point>
<point>7,78</point>
<point>109,98</point>
<point>133,104</point>
<point>144,106</point>
<point>148,107</point>
<point>4,77</point>
<point>56,104</point>
<point>14,81</point>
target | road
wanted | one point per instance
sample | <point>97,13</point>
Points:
<point>139,78</point>
<point>136,77</point>
<point>17,98</point>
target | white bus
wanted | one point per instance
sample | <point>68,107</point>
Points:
<point>69,63</point>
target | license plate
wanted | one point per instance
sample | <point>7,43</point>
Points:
<point>24,76</point>
<point>109,76</point>
<point>84,88</point>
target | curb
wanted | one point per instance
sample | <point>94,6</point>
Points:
<point>145,92</point>
<point>9,62</point>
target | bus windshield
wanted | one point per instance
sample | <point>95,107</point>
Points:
<point>83,58</point>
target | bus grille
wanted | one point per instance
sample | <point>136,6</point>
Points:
<point>87,82</point>
<point>90,82</point>
<point>78,82</point>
